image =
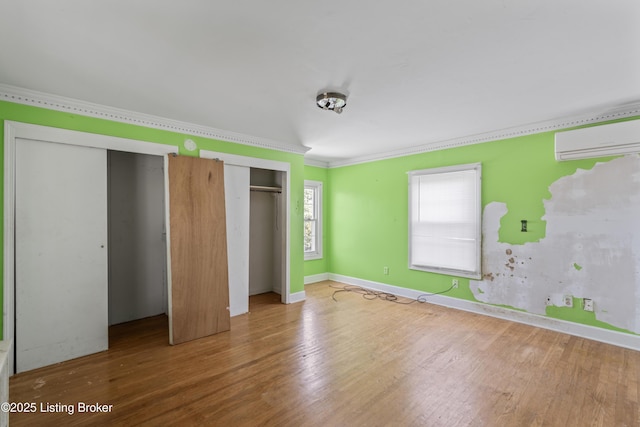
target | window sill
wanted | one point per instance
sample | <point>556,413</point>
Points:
<point>309,256</point>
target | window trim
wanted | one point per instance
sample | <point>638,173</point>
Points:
<point>477,273</point>
<point>316,186</point>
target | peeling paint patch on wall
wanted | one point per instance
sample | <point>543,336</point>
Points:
<point>591,249</point>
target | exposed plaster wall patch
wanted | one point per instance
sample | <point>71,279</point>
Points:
<point>591,249</point>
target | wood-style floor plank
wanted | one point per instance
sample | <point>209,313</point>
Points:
<point>350,362</point>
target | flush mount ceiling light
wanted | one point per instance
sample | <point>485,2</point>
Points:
<point>333,101</point>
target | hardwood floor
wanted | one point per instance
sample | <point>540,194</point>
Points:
<point>352,362</point>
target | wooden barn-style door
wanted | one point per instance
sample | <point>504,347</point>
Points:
<point>197,249</point>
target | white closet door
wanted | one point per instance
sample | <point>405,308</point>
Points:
<point>61,253</point>
<point>236,190</point>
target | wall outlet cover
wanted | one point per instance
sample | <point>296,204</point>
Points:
<point>587,304</point>
<point>568,301</point>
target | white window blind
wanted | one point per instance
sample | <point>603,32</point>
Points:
<point>444,220</point>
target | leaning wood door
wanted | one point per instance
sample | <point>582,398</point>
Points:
<point>199,285</point>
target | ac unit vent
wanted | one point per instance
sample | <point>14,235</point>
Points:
<point>599,141</point>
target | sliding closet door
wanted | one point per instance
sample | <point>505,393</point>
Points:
<point>236,187</point>
<point>199,295</point>
<point>61,254</point>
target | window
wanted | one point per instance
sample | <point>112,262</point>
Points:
<point>312,219</point>
<point>444,220</point>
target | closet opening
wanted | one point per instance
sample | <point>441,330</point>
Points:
<point>266,233</point>
<point>137,264</point>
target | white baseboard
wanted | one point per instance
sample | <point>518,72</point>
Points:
<point>297,297</point>
<point>590,332</point>
<point>316,278</point>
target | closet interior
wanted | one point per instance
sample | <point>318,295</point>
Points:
<point>266,231</point>
<point>136,235</point>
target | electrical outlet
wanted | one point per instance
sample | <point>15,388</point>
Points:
<point>568,301</point>
<point>386,270</point>
<point>454,283</point>
<point>587,304</point>
<point>548,301</point>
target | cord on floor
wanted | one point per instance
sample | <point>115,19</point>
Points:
<point>385,296</point>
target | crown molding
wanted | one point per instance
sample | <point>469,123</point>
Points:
<point>60,103</point>
<point>316,163</point>
<point>629,110</point>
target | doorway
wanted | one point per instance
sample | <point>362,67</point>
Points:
<point>265,231</point>
<point>137,236</point>
<point>241,175</point>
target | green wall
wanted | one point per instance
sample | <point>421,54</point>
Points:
<point>319,266</point>
<point>368,210</point>
<point>45,117</point>
<point>370,228</point>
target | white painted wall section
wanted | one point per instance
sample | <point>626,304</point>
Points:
<point>591,249</point>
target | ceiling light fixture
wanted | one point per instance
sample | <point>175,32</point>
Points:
<point>332,101</point>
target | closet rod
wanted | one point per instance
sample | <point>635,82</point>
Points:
<point>265,189</point>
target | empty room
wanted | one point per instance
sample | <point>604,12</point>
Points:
<point>320,214</point>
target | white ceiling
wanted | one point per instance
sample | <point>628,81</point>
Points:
<point>416,72</point>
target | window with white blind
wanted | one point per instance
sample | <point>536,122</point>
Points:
<point>312,219</point>
<point>444,220</point>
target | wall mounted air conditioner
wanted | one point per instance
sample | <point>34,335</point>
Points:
<point>599,141</point>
